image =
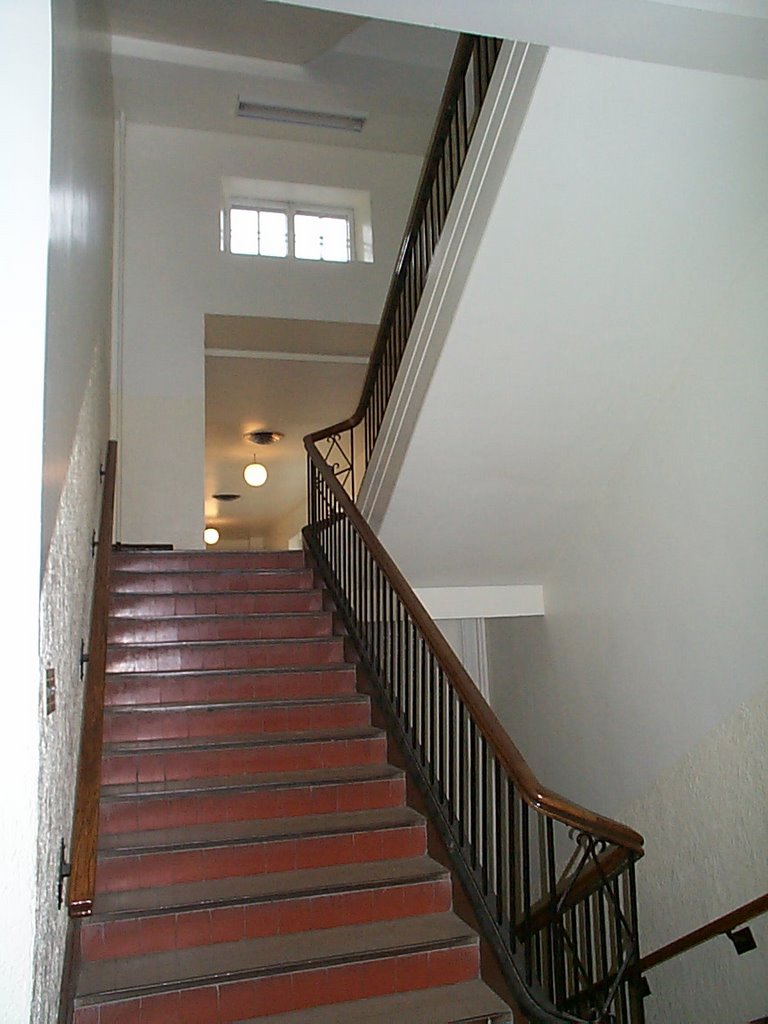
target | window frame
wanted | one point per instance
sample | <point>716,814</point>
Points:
<point>290,209</point>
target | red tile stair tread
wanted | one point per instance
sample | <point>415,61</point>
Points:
<point>237,558</point>
<point>466,1002</point>
<point>115,979</point>
<point>140,605</point>
<point>131,628</point>
<point>185,673</point>
<point>272,780</point>
<point>284,641</point>
<point>181,581</point>
<point>183,743</point>
<point>267,702</point>
<point>256,830</point>
<point>305,882</point>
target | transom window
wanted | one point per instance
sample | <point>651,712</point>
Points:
<point>250,229</point>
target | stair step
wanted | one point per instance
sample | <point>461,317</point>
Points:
<point>172,657</point>
<point>288,973</point>
<point>166,804</point>
<point>228,910</point>
<point>469,1002</point>
<point>183,758</point>
<point>232,718</point>
<point>243,684</point>
<point>209,580</point>
<point>186,628</point>
<point>246,602</point>
<point>244,561</point>
<point>134,860</point>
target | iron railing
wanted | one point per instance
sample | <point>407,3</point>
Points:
<point>552,883</point>
<point>464,93</point>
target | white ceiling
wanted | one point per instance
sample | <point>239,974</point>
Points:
<point>729,36</point>
<point>188,71</point>
<point>250,28</point>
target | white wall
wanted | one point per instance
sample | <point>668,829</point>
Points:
<point>24,174</point>
<point>174,274</point>
<point>654,648</point>
<point>55,252</point>
<point>609,355</point>
<point>634,198</point>
<point>79,289</point>
<point>76,432</point>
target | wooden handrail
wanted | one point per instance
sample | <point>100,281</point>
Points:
<point>720,926</point>
<point>535,795</point>
<point>85,825</point>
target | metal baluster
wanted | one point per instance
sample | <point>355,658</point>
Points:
<point>526,893</point>
<point>514,862</point>
<point>620,1006</point>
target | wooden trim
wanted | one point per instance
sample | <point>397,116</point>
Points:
<point>720,926</point>
<point>531,790</point>
<point>85,826</point>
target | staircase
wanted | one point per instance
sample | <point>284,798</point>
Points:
<point>257,857</point>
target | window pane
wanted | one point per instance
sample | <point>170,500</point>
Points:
<point>335,234</point>
<point>306,237</point>
<point>244,231</point>
<point>273,233</point>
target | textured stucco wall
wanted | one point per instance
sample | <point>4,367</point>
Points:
<point>64,619</point>
<point>705,823</point>
<point>75,435</point>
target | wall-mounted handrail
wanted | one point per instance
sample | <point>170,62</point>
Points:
<point>719,926</point>
<point>85,826</point>
<point>552,883</point>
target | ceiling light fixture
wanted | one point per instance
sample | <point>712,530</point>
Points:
<point>255,474</point>
<point>263,436</point>
<point>211,535</point>
<point>293,115</point>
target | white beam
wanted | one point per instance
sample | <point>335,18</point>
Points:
<point>728,36</point>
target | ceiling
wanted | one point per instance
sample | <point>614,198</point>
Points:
<point>728,36</point>
<point>249,28</point>
<point>185,65</point>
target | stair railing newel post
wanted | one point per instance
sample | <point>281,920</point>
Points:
<point>552,884</point>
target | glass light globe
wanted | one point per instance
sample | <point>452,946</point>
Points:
<point>255,474</point>
<point>211,535</point>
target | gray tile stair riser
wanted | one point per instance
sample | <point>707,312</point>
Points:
<point>275,955</point>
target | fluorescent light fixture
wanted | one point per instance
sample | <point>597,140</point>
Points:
<point>291,115</point>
